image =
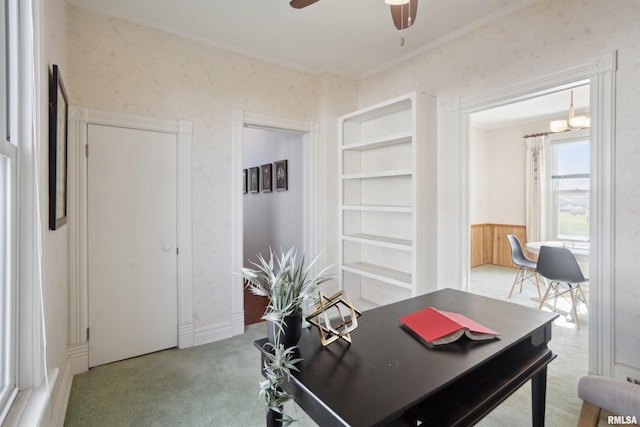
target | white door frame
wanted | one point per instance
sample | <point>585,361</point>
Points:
<point>600,74</point>
<point>309,131</point>
<point>79,119</point>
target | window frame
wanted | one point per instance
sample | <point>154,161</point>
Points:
<point>9,302</point>
<point>553,209</point>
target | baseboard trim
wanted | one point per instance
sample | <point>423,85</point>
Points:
<point>213,333</point>
<point>78,355</point>
<point>77,363</point>
<point>60,397</point>
<point>186,335</point>
<point>237,323</point>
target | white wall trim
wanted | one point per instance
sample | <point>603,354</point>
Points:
<point>213,333</point>
<point>134,122</point>
<point>79,119</point>
<point>77,220</point>
<point>60,400</point>
<point>78,355</point>
<point>237,245</point>
<point>32,405</point>
<point>602,260</point>
<point>185,235</point>
<point>310,131</point>
<point>459,258</point>
<point>312,192</point>
<point>600,74</point>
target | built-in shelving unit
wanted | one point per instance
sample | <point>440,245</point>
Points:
<point>387,200</point>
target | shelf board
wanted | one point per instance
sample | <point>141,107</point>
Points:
<point>392,209</point>
<point>382,109</point>
<point>386,242</point>
<point>397,138</point>
<point>383,274</point>
<point>383,174</point>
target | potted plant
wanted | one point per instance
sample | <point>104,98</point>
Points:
<point>277,370</point>
<point>287,284</point>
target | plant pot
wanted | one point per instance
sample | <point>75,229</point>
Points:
<point>274,419</point>
<point>292,330</point>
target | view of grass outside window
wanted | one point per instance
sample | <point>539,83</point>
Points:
<point>570,164</point>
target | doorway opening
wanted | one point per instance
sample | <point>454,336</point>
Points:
<point>527,181</point>
<point>272,201</point>
<point>305,175</point>
<point>600,74</point>
<point>521,182</point>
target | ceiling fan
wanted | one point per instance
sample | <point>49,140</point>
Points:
<point>403,12</point>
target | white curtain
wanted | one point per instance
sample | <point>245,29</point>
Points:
<point>535,208</point>
<point>33,376</point>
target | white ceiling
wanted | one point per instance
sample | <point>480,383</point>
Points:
<point>354,38</point>
<point>551,106</point>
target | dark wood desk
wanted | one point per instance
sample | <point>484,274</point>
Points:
<point>388,377</point>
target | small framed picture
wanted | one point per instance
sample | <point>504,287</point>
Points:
<point>254,179</point>
<point>244,181</point>
<point>281,175</point>
<point>266,178</point>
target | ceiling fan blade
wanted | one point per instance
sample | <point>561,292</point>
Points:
<point>404,15</point>
<point>299,4</point>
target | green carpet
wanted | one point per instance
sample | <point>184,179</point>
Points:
<point>217,384</point>
<point>209,385</point>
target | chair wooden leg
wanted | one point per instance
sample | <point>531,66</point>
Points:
<point>589,415</point>
<point>538,286</point>
<point>584,300</point>
<point>546,294</point>
<point>516,281</point>
<point>574,306</point>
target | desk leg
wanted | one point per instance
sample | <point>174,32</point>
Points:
<point>538,397</point>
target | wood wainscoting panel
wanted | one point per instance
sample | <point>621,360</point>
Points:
<point>489,243</point>
<point>477,245</point>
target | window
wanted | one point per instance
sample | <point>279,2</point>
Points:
<point>570,187</point>
<point>8,209</point>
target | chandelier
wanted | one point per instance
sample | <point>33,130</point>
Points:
<point>573,123</point>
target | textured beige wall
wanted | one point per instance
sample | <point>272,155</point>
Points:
<point>55,244</point>
<point>126,68</point>
<point>550,36</point>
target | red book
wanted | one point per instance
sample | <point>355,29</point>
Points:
<point>442,327</point>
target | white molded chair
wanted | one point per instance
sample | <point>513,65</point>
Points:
<point>559,266</point>
<point>527,266</point>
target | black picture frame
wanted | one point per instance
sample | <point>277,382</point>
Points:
<point>244,181</point>
<point>266,177</point>
<point>254,179</point>
<point>58,134</point>
<point>282,179</point>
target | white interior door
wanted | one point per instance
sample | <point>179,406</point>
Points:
<point>132,256</point>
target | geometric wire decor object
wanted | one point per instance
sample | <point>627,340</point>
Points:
<point>333,328</point>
